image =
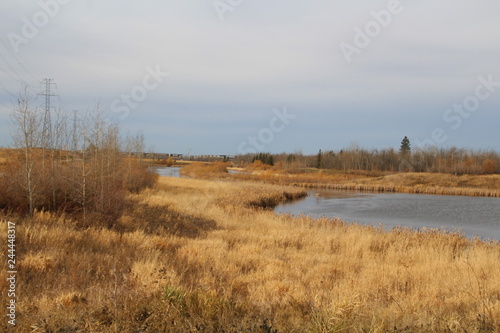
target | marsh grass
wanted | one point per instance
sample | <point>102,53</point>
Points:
<point>198,256</point>
<point>3,155</point>
<point>418,183</point>
<point>205,170</point>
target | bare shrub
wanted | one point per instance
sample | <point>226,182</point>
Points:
<point>489,166</point>
<point>138,176</point>
<point>80,170</point>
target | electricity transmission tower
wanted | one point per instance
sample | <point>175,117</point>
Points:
<point>47,122</point>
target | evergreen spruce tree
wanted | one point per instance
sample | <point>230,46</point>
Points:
<point>405,146</point>
<point>265,158</point>
<point>319,159</point>
<point>271,160</point>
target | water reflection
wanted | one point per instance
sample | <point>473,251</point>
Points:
<point>175,171</point>
<point>168,171</point>
<point>474,216</point>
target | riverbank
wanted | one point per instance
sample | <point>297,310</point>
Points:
<point>197,255</point>
<point>416,183</point>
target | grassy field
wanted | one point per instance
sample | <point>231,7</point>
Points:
<point>202,256</point>
<point>3,155</point>
<point>434,183</point>
<point>424,183</point>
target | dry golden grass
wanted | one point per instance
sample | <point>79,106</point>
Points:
<point>3,155</point>
<point>432,183</point>
<point>205,170</point>
<point>424,183</point>
<point>314,177</point>
<point>197,256</point>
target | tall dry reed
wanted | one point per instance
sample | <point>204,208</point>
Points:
<point>198,256</point>
<point>418,183</point>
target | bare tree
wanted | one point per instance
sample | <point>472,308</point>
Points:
<point>83,170</point>
<point>27,136</point>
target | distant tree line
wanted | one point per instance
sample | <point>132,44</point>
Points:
<point>443,160</point>
<point>78,164</point>
<point>265,158</point>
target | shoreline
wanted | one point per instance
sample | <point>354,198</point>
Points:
<point>458,191</point>
<point>426,183</point>
<point>320,193</point>
<point>382,184</point>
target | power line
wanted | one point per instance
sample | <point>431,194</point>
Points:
<point>18,60</point>
<point>47,122</point>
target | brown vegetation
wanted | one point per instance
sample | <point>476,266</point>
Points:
<point>430,159</point>
<point>423,183</point>
<point>196,256</point>
<point>429,183</point>
<point>3,155</point>
<point>75,166</point>
<point>205,170</point>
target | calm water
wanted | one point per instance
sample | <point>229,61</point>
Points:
<point>474,216</point>
<point>174,171</point>
<point>168,171</point>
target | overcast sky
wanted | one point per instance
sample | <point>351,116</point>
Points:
<point>276,76</point>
